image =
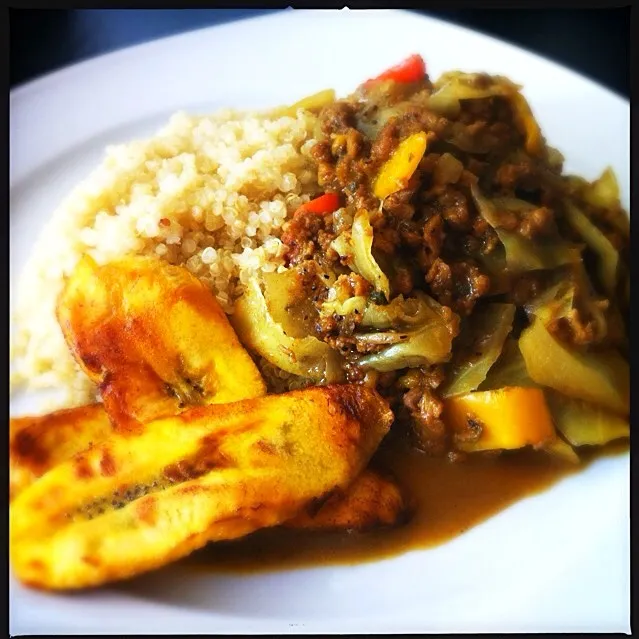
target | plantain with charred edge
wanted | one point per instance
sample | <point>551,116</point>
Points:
<point>39,443</point>
<point>153,338</point>
<point>372,501</point>
<point>138,502</point>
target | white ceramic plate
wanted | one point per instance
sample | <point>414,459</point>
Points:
<point>558,561</point>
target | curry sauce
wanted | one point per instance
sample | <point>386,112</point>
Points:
<point>448,499</point>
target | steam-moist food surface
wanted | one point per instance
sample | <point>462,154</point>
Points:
<point>442,261</point>
<point>446,233</point>
<point>211,193</point>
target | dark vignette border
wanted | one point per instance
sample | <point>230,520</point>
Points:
<point>431,6</point>
<point>4,207</point>
<point>63,37</point>
<point>634,311</point>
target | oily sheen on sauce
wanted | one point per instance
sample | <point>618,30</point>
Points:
<point>448,499</point>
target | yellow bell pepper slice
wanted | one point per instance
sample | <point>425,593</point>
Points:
<point>504,419</point>
<point>399,168</point>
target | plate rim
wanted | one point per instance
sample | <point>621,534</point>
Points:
<point>61,75</point>
<point>22,90</point>
<point>26,98</point>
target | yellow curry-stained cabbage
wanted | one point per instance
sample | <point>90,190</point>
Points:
<point>306,357</point>
<point>602,378</point>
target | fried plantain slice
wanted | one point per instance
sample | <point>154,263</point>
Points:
<point>39,443</point>
<point>371,501</point>
<point>153,338</point>
<point>138,502</point>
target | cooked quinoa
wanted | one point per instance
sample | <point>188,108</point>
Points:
<point>209,192</point>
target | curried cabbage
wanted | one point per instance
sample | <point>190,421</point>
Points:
<point>400,313</point>
<point>429,343</point>
<point>478,347</point>
<point>344,247</point>
<point>523,254</point>
<point>554,158</point>
<point>466,139</point>
<point>608,256</point>
<point>603,193</point>
<point>509,370</point>
<point>371,124</point>
<point>572,293</point>
<point>344,308</point>
<point>561,449</point>
<point>359,249</point>
<point>448,169</point>
<point>313,103</point>
<point>455,86</point>
<point>555,302</point>
<point>284,299</point>
<point>494,265</point>
<point>379,339</point>
<point>527,124</point>
<point>256,328</point>
<point>601,377</point>
<point>584,424</point>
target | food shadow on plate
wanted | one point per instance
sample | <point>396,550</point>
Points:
<point>232,594</point>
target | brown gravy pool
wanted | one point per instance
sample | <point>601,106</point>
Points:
<point>449,498</point>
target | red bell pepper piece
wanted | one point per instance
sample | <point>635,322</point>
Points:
<point>326,203</point>
<point>411,69</point>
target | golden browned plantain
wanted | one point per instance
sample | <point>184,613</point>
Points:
<point>371,501</point>
<point>153,338</point>
<point>39,443</point>
<point>137,502</point>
